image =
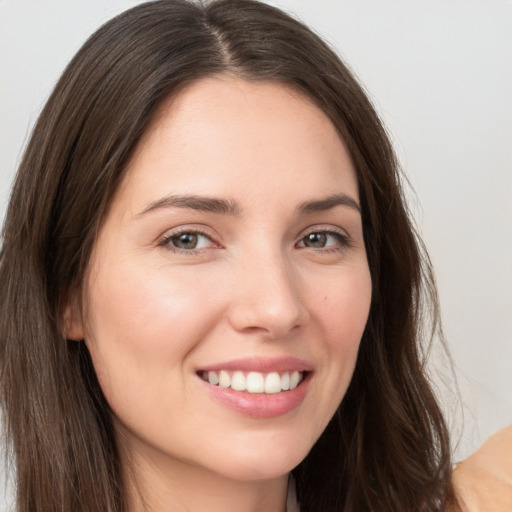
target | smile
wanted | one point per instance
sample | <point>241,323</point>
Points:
<point>254,382</point>
<point>258,387</point>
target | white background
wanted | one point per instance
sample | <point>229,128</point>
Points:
<point>440,74</point>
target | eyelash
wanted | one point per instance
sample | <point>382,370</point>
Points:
<point>345,242</point>
<point>165,242</point>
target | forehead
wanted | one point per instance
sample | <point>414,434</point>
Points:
<point>222,131</point>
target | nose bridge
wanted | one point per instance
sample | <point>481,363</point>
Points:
<point>267,296</point>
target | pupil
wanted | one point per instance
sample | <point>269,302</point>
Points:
<point>316,240</point>
<point>186,241</point>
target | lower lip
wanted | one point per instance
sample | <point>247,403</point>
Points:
<point>260,405</point>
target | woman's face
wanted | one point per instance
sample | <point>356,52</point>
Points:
<point>233,252</point>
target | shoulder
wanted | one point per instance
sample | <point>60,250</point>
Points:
<point>483,481</point>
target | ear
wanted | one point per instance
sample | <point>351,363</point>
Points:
<point>73,325</point>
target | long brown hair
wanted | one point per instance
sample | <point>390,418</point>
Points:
<point>386,448</point>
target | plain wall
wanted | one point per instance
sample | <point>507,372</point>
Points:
<point>440,74</point>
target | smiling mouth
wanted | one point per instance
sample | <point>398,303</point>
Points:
<point>254,382</point>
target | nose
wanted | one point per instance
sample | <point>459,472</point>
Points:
<point>267,298</point>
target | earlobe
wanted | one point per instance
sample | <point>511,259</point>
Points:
<point>72,319</point>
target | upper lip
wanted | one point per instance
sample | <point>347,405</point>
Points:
<point>261,364</point>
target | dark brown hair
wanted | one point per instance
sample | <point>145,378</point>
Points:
<point>386,448</point>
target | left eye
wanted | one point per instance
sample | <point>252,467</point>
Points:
<point>189,241</point>
<point>322,239</point>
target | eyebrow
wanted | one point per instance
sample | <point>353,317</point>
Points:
<point>232,208</point>
<point>321,205</point>
<point>194,202</point>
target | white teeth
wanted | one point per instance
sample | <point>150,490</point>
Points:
<point>285,382</point>
<point>213,378</point>
<point>272,383</point>
<point>294,379</point>
<point>238,381</point>
<point>224,379</point>
<point>254,382</point>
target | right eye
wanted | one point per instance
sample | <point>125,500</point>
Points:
<point>188,241</point>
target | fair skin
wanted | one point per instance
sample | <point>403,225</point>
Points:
<point>271,277</point>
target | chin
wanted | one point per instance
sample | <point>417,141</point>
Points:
<point>265,460</point>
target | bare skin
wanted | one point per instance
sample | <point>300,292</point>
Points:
<point>235,238</point>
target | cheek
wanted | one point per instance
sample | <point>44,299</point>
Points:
<point>343,308</point>
<point>146,308</point>
<point>141,325</point>
<point>339,303</point>
<point>342,311</point>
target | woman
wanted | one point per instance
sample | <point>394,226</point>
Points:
<point>211,281</point>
